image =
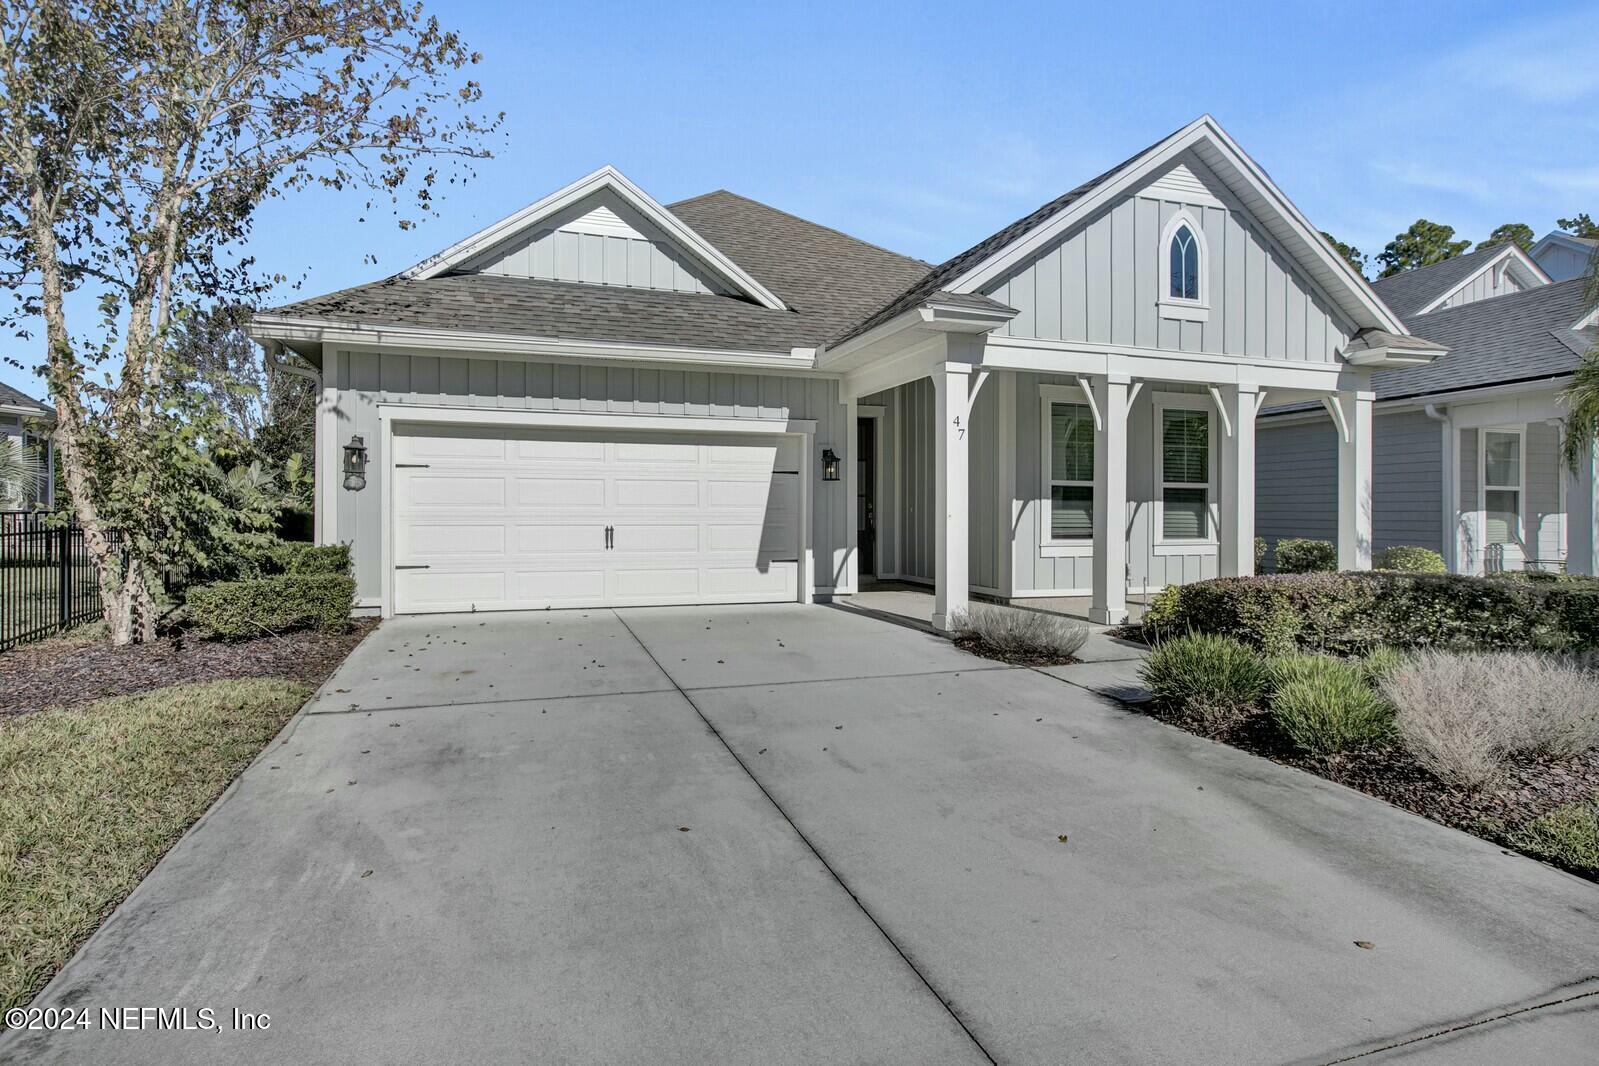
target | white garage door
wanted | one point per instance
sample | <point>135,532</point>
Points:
<point>491,519</point>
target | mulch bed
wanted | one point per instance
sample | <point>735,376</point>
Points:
<point>67,671</point>
<point>980,647</point>
<point>1531,788</point>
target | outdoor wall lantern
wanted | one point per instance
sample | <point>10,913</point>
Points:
<point>355,464</point>
<point>829,465</point>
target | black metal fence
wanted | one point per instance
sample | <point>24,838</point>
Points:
<point>48,581</point>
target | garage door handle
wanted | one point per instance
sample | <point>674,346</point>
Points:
<point>413,566</point>
<point>410,466</point>
<point>610,537</point>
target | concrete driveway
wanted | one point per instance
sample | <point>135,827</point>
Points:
<point>797,834</point>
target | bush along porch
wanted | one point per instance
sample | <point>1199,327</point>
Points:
<point>1469,700</point>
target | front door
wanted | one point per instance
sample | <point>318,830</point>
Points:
<point>866,495</point>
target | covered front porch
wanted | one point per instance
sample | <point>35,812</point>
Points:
<point>1077,482</point>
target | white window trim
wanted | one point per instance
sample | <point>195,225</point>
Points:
<point>1519,534</point>
<point>1048,546</point>
<point>1172,306</point>
<point>1164,545</point>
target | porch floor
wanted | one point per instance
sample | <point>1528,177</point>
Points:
<point>914,603</point>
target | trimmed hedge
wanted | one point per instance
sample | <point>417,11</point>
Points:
<point>259,606</point>
<point>293,557</point>
<point>1410,559</point>
<point>1298,556</point>
<point>1353,612</point>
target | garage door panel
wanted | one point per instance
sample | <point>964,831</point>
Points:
<point>553,493</point>
<point>455,491</point>
<point>423,540</point>
<point>506,520</point>
<point>656,493</point>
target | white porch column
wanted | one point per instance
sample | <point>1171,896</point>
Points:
<point>951,501</point>
<point>1354,479</point>
<point>1110,501</point>
<point>1238,480</point>
<point>1582,514</point>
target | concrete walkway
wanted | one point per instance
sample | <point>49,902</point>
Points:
<point>798,834</point>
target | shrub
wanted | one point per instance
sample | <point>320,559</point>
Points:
<point>1260,554</point>
<point>1411,559</point>
<point>1326,705</point>
<point>1351,613</point>
<point>1465,716</point>
<point>1381,662</point>
<point>259,606</point>
<point>293,557</point>
<point>1299,556</point>
<point>1162,615</point>
<point>1567,836</point>
<point>1205,681</point>
<point>1012,634</point>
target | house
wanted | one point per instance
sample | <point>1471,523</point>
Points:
<point>600,400</point>
<point>1563,256</point>
<point>1467,450</point>
<point>26,423</point>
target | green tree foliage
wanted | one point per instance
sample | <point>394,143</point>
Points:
<point>131,166</point>
<point>1580,226</point>
<point>1352,255</point>
<point>1518,233</point>
<point>1423,244</point>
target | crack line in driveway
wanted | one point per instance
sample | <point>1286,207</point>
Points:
<point>833,680</point>
<point>717,733</point>
<point>1463,1026</point>
<point>491,703</point>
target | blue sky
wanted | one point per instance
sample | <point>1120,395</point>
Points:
<point>926,127</point>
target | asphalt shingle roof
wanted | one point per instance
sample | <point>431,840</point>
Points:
<point>1520,337</point>
<point>827,278</point>
<point>16,398</point>
<point>1409,291</point>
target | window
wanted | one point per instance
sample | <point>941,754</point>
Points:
<point>1501,486</point>
<point>1184,265</point>
<point>1071,471</point>
<point>1185,474</point>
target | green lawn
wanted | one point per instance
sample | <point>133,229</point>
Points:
<point>91,797</point>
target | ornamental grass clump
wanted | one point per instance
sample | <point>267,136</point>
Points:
<point>1326,705</point>
<point>1021,636</point>
<point>1466,716</point>
<point>1206,682</point>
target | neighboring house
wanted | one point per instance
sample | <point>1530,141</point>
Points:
<point>603,401</point>
<point>1563,256</point>
<point>1468,448</point>
<point>26,423</point>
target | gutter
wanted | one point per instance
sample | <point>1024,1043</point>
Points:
<point>274,351</point>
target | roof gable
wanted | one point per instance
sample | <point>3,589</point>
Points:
<point>1473,276</point>
<point>991,259</point>
<point>604,204</point>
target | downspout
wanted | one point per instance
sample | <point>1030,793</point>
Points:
<point>1451,493</point>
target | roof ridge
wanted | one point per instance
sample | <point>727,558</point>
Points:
<point>799,218</point>
<point>1548,292</point>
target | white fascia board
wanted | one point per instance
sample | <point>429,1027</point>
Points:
<point>607,177</point>
<point>1588,321</point>
<point>357,336</point>
<point>1561,238</point>
<point>1391,358</point>
<point>1148,364</point>
<point>1203,130</point>
<point>27,412</point>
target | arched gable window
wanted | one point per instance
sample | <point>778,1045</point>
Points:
<point>1184,291</point>
<point>1184,264</point>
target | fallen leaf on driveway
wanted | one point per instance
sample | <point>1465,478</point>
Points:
<point>1368,945</point>
<point>367,874</point>
<point>1063,838</point>
<point>682,829</point>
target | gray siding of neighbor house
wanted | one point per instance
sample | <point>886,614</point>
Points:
<point>1100,284</point>
<point>563,251</point>
<point>1296,482</point>
<point>1561,262</point>
<point>363,380</point>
